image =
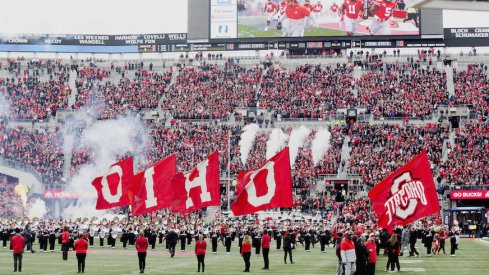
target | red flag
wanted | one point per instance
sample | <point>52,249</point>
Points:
<point>270,186</point>
<point>152,187</point>
<point>113,188</point>
<point>406,195</point>
<point>201,186</point>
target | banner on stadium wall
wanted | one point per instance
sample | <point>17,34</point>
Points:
<point>466,37</point>
<point>62,194</point>
<point>93,39</point>
<point>469,195</point>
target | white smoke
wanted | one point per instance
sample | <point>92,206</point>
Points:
<point>38,209</point>
<point>247,140</point>
<point>296,141</point>
<point>276,142</point>
<point>320,145</point>
<point>4,106</point>
<point>108,139</point>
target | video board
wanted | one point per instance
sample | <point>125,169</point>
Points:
<point>316,18</point>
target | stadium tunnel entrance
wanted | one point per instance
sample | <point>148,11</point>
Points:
<point>471,220</point>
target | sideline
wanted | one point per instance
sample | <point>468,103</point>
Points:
<point>484,242</point>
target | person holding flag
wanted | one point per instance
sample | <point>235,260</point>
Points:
<point>141,248</point>
<point>393,248</point>
<point>17,243</point>
<point>200,247</point>
<point>81,247</point>
<point>246,252</point>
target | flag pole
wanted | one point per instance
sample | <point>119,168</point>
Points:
<point>229,169</point>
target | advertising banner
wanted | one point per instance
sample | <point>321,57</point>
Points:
<point>469,195</point>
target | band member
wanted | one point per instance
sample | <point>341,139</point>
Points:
<point>352,9</point>
<point>81,247</point>
<point>172,239</point>
<point>18,243</point>
<point>200,247</point>
<point>322,240</point>
<point>257,242</point>
<point>183,239</point>
<point>214,240</point>
<point>288,245</point>
<point>45,240</point>
<point>228,240</point>
<point>246,252</point>
<point>92,235</point>
<point>278,238</point>
<point>28,238</point>
<point>113,235</point>
<point>382,14</point>
<point>65,242</point>
<point>240,240</point>
<point>52,239</point>
<point>265,244</point>
<point>101,235</point>
<point>307,240</point>
<point>152,239</point>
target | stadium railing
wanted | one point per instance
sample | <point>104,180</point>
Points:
<point>469,187</point>
<point>20,166</point>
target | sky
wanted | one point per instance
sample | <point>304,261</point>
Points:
<point>93,16</point>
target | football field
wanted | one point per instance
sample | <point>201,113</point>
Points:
<point>472,258</point>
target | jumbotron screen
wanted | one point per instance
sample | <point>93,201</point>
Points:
<point>313,18</point>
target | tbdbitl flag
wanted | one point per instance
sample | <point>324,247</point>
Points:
<point>406,195</point>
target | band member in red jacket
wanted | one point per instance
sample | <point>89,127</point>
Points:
<point>142,247</point>
<point>265,244</point>
<point>200,247</point>
<point>81,246</point>
<point>65,242</point>
<point>246,252</point>
<point>18,243</point>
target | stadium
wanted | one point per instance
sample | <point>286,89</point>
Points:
<point>264,136</point>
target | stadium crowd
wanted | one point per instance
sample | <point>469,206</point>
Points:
<point>40,148</point>
<point>211,91</point>
<point>468,162</point>
<point>36,89</point>
<point>378,150</point>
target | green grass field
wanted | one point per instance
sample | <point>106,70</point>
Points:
<point>472,258</point>
<point>254,27</point>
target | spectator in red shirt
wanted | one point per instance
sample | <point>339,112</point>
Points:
<point>246,252</point>
<point>200,247</point>
<point>372,254</point>
<point>18,249</point>
<point>81,246</point>
<point>265,244</point>
<point>65,242</point>
<point>142,247</point>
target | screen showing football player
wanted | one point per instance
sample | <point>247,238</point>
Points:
<point>382,10</point>
<point>352,11</point>
<point>270,10</point>
<point>297,16</point>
